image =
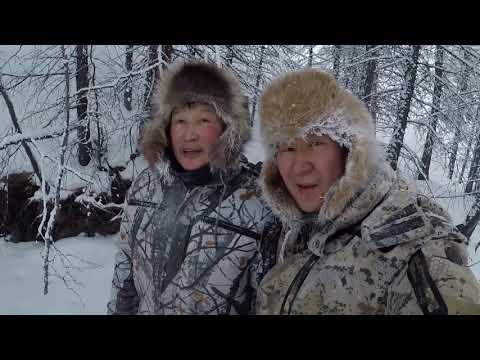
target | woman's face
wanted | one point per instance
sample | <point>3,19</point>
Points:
<point>194,130</point>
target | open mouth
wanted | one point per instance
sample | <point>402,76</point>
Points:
<point>191,152</point>
<point>307,186</point>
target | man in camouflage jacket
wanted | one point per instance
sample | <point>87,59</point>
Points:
<point>372,245</point>
<point>188,237</point>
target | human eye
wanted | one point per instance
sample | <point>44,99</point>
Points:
<point>317,143</point>
<point>286,148</point>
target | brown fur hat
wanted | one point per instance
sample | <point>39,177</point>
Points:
<point>311,101</point>
<point>184,83</point>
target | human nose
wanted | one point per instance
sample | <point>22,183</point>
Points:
<point>302,164</point>
<point>191,133</point>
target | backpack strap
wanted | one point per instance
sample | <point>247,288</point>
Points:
<point>422,282</point>
<point>297,283</point>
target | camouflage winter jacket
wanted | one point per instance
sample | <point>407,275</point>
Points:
<point>187,243</point>
<point>390,251</point>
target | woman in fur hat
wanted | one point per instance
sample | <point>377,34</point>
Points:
<point>357,240</point>
<point>192,219</point>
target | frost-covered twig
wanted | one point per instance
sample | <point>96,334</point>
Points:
<point>51,220</point>
<point>38,135</point>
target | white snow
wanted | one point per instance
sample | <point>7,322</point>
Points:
<point>91,262</point>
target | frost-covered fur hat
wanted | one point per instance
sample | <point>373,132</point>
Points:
<point>184,83</point>
<point>311,101</point>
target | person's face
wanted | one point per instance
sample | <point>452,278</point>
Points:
<point>194,130</point>
<point>309,167</point>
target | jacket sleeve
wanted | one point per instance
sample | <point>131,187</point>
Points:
<point>436,280</point>
<point>124,298</point>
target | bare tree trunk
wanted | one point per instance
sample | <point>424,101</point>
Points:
<point>191,52</point>
<point>468,226</point>
<point>370,84</point>
<point>474,167</point>
<point>473,172</point>
<point>167,52</point>
<point>151,75</point>
<point>460,119</point>
<point>47,235</point>
<point>127,95</point>
<point>99,151</point>
<point>465,160</point>
<point>14,119</point>
<point>353,73</point>
<point>337,52</point>
<point>257,83</point>
<point>310,56</point>
<point>83,132</point>
<point>393,151</point>
<point>229,58</point>
<point>435,112</point>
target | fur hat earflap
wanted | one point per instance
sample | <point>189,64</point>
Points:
<point>312,102</point>
<point>189,82</point>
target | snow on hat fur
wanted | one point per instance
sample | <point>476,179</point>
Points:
<point>184,83</point>
<point>311,101</point>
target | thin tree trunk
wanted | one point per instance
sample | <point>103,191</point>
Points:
<point>437,97</point>
<point>83,132</point>
<point>151,75</point>
<point>13,116</point>
<point>474,167</point>
<point>229,58</point>
<point>191,52</point>
<point>460,119</point>
<point>471,221</point>
<point>167,52</point>
<point>310,56</point>
<point>396,142</point>
<point>465,160</point>
<point>53,213</point>
<point>100,138</point>
<point>370,84</point>
<point>337,52</point>
<point>257,83</point>
<point>127,95</point>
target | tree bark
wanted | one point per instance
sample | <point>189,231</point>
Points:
<point>83,132</point>
<point>393,151</point>
<point>257,83</point>
<point>229,58</point>
<point>337,52</point>
<point>437,97</point>
<point>127,95</point>
<point>460,118</point>
<point>474,166</point>
<point>370,84</point>
<point>310,56</point>
<point>47,235</point>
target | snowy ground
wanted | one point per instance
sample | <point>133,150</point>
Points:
<point>21,277</point>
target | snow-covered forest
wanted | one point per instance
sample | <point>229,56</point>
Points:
<point>71,118</point>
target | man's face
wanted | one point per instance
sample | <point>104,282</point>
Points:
<point>194,130</point>
<point>309,167</point>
